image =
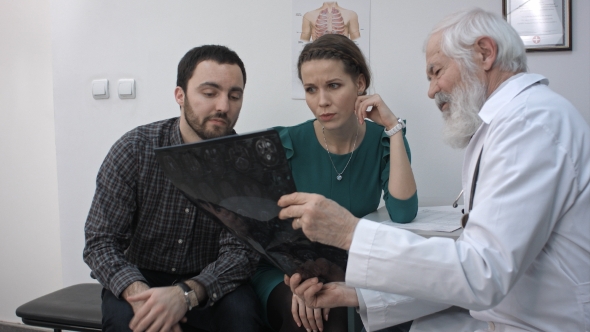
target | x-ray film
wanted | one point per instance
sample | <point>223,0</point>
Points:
<point>238,180</point>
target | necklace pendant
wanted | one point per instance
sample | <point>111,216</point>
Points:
<point>339,177</point>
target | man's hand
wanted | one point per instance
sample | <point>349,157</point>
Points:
<point>321,219</point>
<point>317,295</point>
<point>133,289</point>
<point>164,307</point>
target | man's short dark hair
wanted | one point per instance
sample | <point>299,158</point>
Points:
<point>217,53</point>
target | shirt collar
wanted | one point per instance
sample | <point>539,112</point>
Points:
<point>506,92</point>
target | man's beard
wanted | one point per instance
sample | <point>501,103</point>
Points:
<point>200,126</point>
<point>461,117</point>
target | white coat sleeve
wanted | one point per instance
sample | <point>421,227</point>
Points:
<point>379,310</point>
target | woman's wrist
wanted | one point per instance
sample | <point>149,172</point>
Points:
<point>400,124</point>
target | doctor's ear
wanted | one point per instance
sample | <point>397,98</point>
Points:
<point>486,51</point>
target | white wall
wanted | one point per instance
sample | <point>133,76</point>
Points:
<point>145,39</point>
<point>30,258</point>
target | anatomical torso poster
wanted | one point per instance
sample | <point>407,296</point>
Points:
<point>313,19</point>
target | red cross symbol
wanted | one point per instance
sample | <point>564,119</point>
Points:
<point>536,39</point>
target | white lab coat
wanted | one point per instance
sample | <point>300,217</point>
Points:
<point>523,261</point>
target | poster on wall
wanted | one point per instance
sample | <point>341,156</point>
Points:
<point>313,19</point>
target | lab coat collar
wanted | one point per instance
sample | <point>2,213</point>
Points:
<point>506,92</point>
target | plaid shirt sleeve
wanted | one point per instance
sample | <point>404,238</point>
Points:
<point>108,228</point>
<point>235,264</point>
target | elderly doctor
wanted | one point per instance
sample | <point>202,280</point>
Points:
<point>523,260</point>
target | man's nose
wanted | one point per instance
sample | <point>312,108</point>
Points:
<point>222,104</point>
<point>432,89</point>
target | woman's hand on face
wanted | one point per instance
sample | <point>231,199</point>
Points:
<point>380,113</point>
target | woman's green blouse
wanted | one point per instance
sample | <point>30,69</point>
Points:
<point>367,174</point>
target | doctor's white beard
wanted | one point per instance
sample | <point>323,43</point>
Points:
<point>461,118</point>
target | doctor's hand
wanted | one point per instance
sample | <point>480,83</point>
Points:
<point>321,219</point>
<point>164,307</point>
<point>318,295</point>
<point>380,113</point>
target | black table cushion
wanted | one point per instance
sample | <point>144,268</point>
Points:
<point>77,305</point>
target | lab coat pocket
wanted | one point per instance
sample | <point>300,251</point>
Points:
<point>583,295</point>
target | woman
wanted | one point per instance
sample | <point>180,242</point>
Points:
<point>343,157</point>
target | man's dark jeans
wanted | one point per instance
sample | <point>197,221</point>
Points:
<point>236,311</point>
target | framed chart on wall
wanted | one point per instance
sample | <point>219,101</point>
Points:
<point>543,25</point>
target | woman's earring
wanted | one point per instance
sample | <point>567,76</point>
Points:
<point>360,93</point>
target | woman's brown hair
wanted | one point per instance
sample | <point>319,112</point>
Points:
<point>337,47</point>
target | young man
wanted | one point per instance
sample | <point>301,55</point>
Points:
<point>163,262</point>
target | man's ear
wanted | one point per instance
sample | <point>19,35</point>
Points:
<point>486,51</point>
<point>179,96</point>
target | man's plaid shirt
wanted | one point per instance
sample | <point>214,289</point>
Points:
<point>138,219</point>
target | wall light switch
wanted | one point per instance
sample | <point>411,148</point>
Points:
<point>100,89</point>
<point>127,88</point>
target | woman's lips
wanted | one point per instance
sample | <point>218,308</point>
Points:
<point>327,116</point>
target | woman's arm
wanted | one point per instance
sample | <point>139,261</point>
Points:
<point>400,193</point>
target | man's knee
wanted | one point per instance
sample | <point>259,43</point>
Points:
<point>116,313</point>
<point>242,299</point>
<point>243,306</point>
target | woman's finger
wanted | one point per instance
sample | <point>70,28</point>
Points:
<point>295,310</point>
<point>317,314</point>
<point>303,314</point>
<point>311,318</point>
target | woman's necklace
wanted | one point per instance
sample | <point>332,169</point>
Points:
<point>339,174</point>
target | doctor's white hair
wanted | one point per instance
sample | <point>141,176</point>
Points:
<point>461,30</point>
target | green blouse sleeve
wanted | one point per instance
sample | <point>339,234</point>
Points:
<point>400,211</point>
<point>286,141</point>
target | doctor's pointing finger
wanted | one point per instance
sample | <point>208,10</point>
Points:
<point>321,219</point>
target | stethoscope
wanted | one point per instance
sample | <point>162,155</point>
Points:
<point>465,217</point>
<point>455,203</point>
